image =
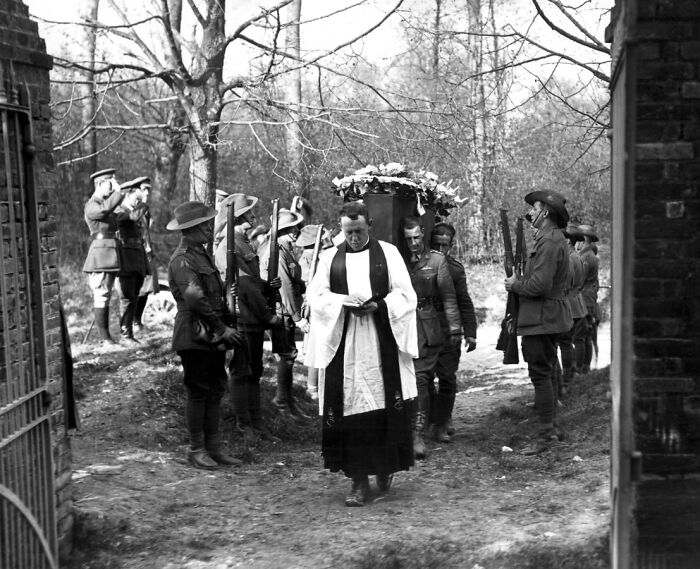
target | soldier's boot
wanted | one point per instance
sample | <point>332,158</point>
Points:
<point>198,456</point>
<point>102,325</point>
<point>212,435</point>
<point>126,323</point>
<point>138,312</point>
<point>545,439</point>
<point>239,400</point>
<point>283,399</point>
<point>214,448</point>
<point>443,407</point>
<point>195,415</point>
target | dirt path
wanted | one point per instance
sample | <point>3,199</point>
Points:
<point>468,505</point>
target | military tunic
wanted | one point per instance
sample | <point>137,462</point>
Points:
<point>589,290</point>
<point>102,222</point>
<point>199,294</point>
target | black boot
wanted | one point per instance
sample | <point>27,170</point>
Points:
<point>256,420</point>
<point>195,412</point>
<point>284,400</point>
<point>138,312</point>
<point>214,448</point>
<point>126,323</point>
<point>198,455</point>
<point>239,399</point>
<point>102,324</point>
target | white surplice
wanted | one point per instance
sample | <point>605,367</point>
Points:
<point>363,385</point>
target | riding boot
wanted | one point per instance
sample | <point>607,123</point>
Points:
<point>443,407</point>
<point>195,409</point>
<point>359,491</point>
<point>284,399</point>
<point>138,311</point>
<point>546,438</point>
<point>102,324</point>
<point>212,437</point>
<point>126,322</point>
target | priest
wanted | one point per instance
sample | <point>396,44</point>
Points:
<point>363,339</point>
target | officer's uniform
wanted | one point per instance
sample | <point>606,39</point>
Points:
<point>448,359</point>
<point>102,261</point>
<point>133,261</point>
<point>437,317</point>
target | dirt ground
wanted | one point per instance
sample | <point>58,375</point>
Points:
<point>471,504</point>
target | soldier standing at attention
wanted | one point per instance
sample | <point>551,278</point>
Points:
<point>544,311</point>
<point>133,265</point>
<point>102,261</point>
<point>568,341</point>
<point>441,240</point>
<point>437,318</point>
<point>589,290</point>
<point>253,313</point>
<point>200,333</point>
<point>289,310</point>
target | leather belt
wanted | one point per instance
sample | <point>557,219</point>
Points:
<point>105,235</point>
<point>425,301</point>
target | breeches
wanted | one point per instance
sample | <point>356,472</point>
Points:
<point>101,285</point>
<point>205,371</point>
<point>539,352</point>
<point>425,369</point>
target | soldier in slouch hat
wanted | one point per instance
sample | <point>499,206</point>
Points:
<point>544,311</point>
<point>200,334</point>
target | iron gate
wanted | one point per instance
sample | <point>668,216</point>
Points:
<point>27,507</point>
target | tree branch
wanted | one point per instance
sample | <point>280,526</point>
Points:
<point>566,34</point>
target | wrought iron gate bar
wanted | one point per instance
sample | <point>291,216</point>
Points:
<point>27,496</point>
<point>12,498</point>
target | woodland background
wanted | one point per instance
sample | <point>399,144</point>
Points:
<point>276,99</point>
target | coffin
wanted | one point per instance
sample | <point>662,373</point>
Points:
<point>387,211</point>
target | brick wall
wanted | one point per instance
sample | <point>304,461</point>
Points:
<point>666,288</point>
<point>20,43</point>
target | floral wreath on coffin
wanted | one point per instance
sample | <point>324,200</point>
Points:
<point>396,179</point>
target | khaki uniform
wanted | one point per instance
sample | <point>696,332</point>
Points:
<point>544,313</point>
<point>199,294</point>
<point>437,317</point>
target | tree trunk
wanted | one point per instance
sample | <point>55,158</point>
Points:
<point>294,134</point>
<point>88,13</point>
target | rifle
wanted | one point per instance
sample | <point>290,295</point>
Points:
<point>273,264</point>
<point>519,247</point>
<point>231,265</point>
<point>508,338</point>
<point>317,252</point>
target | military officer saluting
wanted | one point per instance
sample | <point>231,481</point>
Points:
<point>133,266</point>
<point>102,262</point>
<point>544,311</point>
<point>437,317</point>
